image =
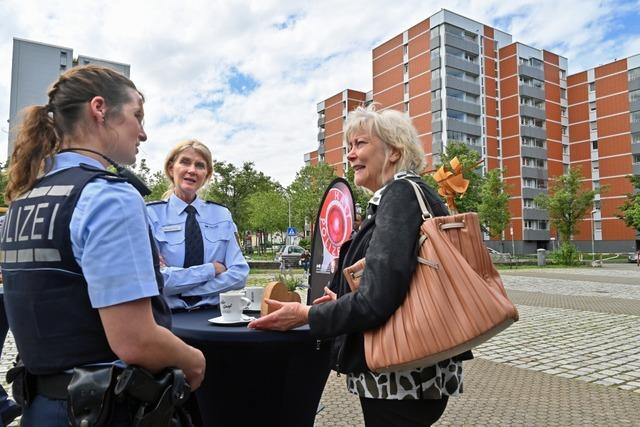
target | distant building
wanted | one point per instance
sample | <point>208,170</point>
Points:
<point>461,80</point>
<point>35,66</point>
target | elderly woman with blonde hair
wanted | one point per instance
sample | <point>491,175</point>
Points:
<point>196,238</point>
<point>384,150</point>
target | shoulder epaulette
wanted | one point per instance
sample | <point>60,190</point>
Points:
<point>105,174</point>
<point>211,202</point>
<point>157,202</point>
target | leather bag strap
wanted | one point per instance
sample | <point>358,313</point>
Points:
<point>421,200</point>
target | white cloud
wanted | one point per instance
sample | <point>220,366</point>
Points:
<point>298,53</point>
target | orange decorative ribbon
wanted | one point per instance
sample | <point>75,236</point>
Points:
<point>452,182</point>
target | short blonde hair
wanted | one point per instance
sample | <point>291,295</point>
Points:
<point>175,152</point>
<point>394,129</point>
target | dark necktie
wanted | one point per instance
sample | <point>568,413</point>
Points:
<point>193,247</point>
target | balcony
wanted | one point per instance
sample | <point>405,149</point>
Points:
<point>321,135</point>
<point>534,152</point>
<point>531,111</point>
<point>435,83</point>
<point>320,106</point>
<point>529,71</point>
<point>462,64</point>
<point>536,234</point>
<point>531,193</point>
<point>463,85</point>
<point>535,213</point>
<point>434,42</point>
<point>436,105</point>
<point>321,120</point>
<point>460,43</point>
<point>464,106</point>
<point>635,127</point>
<point>635,148</point>
<point>469,128</point>
<point>533,132</point>
<point>435,62</point>
<point>529,172</point>
<point>634,105</point>
<point>436,126</point>
<point>320,149</point>
<point>636,169</point>
<point>532,91</point>
<point>634,84</point>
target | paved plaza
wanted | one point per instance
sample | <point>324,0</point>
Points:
<point>573,359</point>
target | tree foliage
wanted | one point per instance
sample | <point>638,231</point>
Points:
<point>567,202</point>
<point>232,186</point>
<point>468,158</point>
<point>630,209</point>
<point>3,182</point>
<point>268,211</point>
<point>493,208</point>
<point>361,196</point>
<point>307,189</point>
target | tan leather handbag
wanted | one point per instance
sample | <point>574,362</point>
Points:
<point>456,299</point>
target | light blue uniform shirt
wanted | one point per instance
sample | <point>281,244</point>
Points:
<point>110,238</point>
<point>168,220</point>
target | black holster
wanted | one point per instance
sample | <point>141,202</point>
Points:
<point>158,399</point>
<point>91,398</point>
<point>22,383</point>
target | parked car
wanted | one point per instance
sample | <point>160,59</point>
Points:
<point>291,255</point>
<point>633,257</point>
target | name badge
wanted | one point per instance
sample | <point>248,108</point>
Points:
<point>176,227</point>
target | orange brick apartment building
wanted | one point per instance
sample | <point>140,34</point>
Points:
<point>460,80</point>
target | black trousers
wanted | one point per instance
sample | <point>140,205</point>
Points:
<point>402,413</point>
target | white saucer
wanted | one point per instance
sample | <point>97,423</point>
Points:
<point>220,321</point>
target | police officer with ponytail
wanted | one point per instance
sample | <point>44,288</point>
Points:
<point>81,280</point>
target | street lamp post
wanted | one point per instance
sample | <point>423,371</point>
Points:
<point>513,246</point>
<point>593,238</point>
<point>288,197</point>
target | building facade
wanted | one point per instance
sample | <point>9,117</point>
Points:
<point>35,66</point>
<point>461,80</point>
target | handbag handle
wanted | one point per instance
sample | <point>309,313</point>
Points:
<point>422,199</point>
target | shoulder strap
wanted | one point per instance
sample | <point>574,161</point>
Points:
<point>422,199</point>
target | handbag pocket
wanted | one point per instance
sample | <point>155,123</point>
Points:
<point>354,273</point>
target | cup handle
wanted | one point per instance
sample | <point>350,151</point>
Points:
<point>247,302</point>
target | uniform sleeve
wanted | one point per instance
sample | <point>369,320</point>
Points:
<point>110,241</point>
<point>391,260</point>
<point>237,268</point>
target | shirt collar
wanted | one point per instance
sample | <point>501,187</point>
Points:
<point>177,205</point>
<point>375,199</point>
<point>70,159</point>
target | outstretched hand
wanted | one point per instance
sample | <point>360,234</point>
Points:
<point>288,315</point>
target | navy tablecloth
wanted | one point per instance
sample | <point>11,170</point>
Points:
<point>255,378</point>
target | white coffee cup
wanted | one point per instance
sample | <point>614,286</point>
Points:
<point>231,305</point>
<point>255,294</point>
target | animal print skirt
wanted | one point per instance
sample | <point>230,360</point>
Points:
<point>432,382</point>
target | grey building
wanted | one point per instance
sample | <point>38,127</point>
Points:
<point>35,66</point>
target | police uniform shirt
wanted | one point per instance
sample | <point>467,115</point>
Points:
<point>110,238</point>
<point>168,218</point>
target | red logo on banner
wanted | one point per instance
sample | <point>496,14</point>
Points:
<point>335,220</point>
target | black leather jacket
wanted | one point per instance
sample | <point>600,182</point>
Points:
<point>388,239</point>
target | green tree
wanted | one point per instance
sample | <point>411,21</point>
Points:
<point>3,181</point>
<point>493,208</point>
<point>630,209</point>
<point>360,196</point>
<point>232,186</point>
<point>469,159</point>
<point>307,189</point>
<point>158,184</point>
<point>268,211</point>
<point>567,202</point>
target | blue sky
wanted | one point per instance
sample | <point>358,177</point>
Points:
<point>245,76</point>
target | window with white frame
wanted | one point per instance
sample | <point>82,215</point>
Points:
<point>530,203</point>
<point>535,224</point>
<point>594,145</point>
<point>634,74</point>
<point>528,141</point>
<point>634,96</point>
<point>531,162</point>
<point>532,122</point>
<point>592,87</point>
<point>636,159</point>
<point>635,117</point>
<point>635,137</point>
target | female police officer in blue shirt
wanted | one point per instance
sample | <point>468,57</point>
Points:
<point>79,279</point>
<point>199,265</point>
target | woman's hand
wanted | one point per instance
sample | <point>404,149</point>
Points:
<point>220,268</point>
<point>329,295</point>
<point>288,315</point>
<point>163,263</point>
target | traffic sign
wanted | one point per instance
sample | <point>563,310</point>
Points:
<point>291,231</point>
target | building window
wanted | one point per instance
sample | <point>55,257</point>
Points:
<point>406,107</point>
<point>531,122</point>
<point>635,117</point>
<point>436,116</point>
<point>592,87</point>
<point>592,106</point>
<point>533,142</point>
<point>592,126</point>
<point>636,159</point>
<point>594,145</point>
<point>435,74</point>
<point>635,138</point>
<point>634,96</point>
<point>564,131</point>
<point>406,88</point>
<point>563,112</point>
<point>530,203</point>
<point>634,74</point>
<point>435,94</point>
<point>565,149</point>
<point>563,75</point>
<point>530,162</point>
<point>563,93</point>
